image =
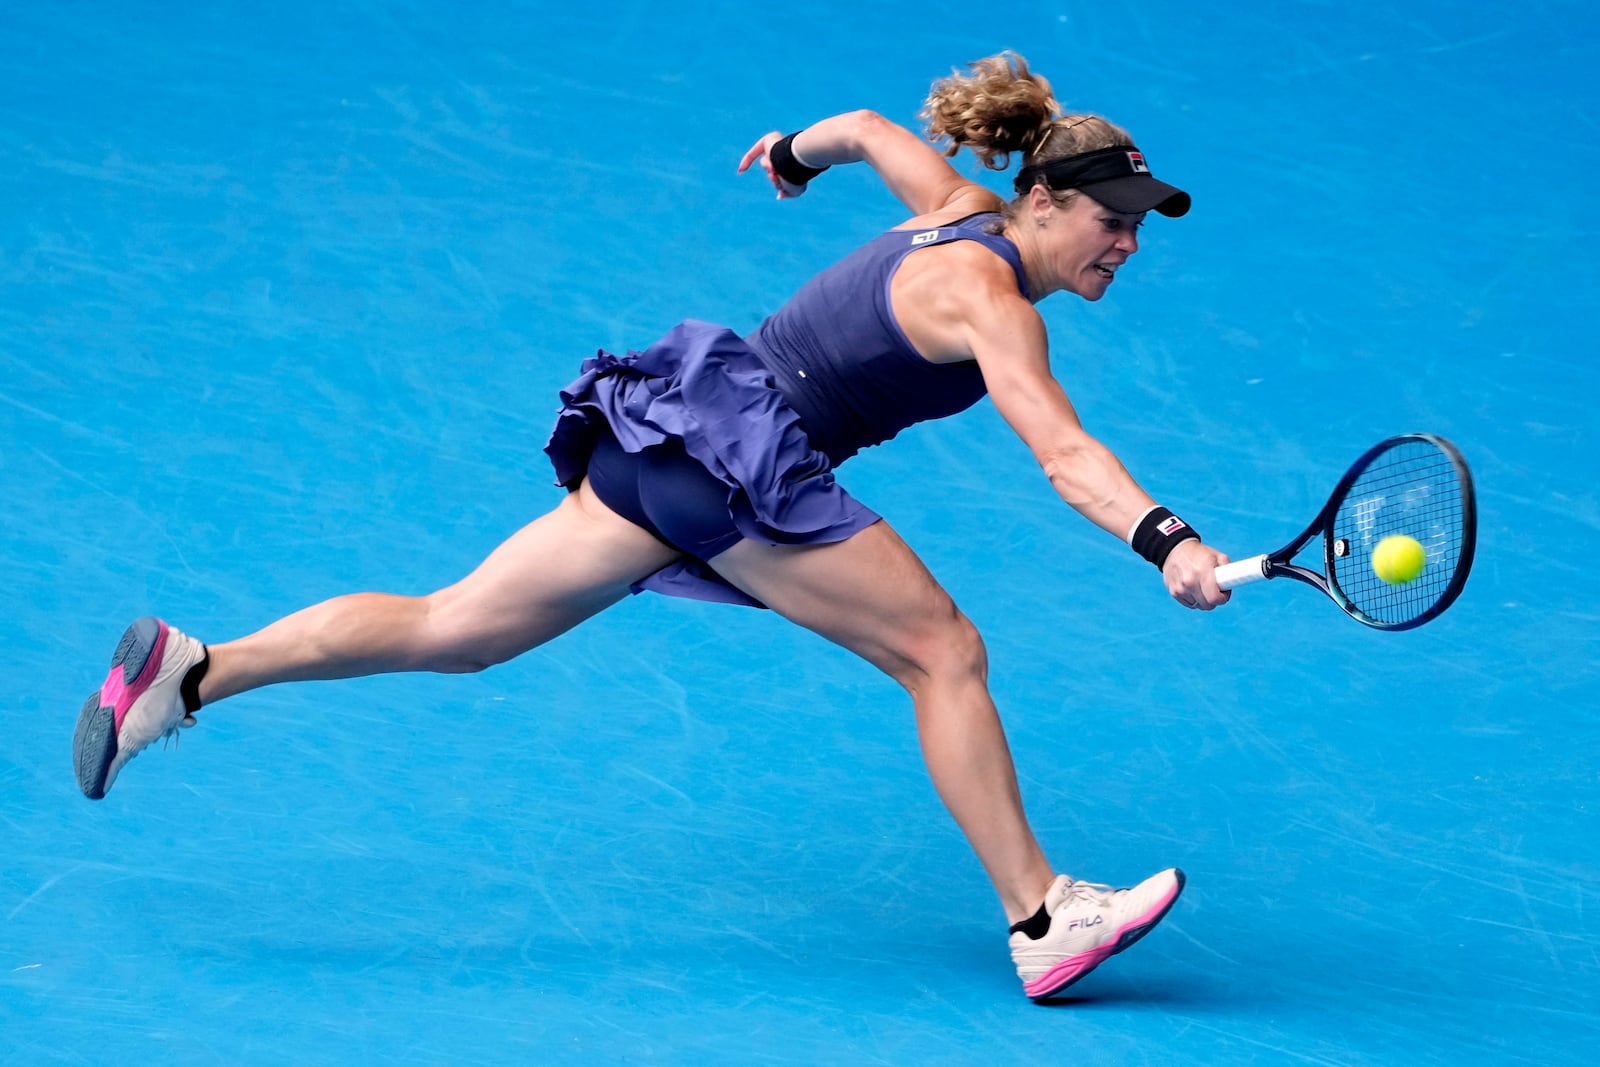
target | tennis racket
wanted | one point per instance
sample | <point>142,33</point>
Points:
<point>1416,485</point>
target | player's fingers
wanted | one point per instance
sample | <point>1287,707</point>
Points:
<point>1201,592</point>
<point>759,151</point>
<point>756,151</point>
<point>1209,594</point>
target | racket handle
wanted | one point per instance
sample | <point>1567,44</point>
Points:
<point>1242,572</point>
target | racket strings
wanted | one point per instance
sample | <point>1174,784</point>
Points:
<point>1412,490</point>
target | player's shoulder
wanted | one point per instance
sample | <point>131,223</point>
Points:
<point>971,199</point>
<point>959,270</point>
<point>949,293</point>
<point>968,271</point>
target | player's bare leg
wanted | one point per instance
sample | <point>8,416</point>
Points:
<point>551,575</point>
<point>872,595</point>
<point>545,579</point>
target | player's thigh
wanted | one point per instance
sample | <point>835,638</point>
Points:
<point>869,593</point>
<point>547,577</point>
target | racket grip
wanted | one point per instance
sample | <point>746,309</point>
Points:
<point>1242,572</point>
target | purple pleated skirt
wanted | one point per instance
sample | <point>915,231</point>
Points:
<point>703,387</point>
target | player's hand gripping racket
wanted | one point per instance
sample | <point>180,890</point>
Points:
<point>1413,486</point>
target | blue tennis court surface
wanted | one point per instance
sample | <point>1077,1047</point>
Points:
<point>288,294</point>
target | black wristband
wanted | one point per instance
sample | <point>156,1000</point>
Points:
<point>1158,533</point>
<point>786,166</point>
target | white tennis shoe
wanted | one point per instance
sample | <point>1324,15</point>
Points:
<point>1081,925</point>
<point>142,698</point>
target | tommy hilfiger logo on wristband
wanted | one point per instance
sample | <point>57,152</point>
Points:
<point>1171,525</point>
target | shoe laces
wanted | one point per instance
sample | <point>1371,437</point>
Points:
<point>1088,892</point>
<point>172,732</point>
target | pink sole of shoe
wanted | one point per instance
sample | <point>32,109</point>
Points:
<point>1076,967</point>
<point>134,666</point>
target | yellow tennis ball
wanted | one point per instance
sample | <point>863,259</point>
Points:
<point>1398,559</point>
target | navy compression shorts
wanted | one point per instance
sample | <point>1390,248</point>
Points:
<point>667,492</point>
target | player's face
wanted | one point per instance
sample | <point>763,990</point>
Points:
<point>1091,243</point>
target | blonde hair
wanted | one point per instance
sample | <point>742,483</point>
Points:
<point>1000,107</point>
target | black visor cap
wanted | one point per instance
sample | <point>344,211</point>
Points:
<point>1117,177</point>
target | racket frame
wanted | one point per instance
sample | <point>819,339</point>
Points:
<point>1278,564</point>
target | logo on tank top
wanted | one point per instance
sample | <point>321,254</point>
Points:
<point>925,236</point>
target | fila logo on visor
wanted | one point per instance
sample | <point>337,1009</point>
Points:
<point>1139,165</point>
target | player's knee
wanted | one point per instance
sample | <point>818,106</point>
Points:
<point>949,650</point>
<point>967,655</point>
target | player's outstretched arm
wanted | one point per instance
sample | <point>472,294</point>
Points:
<point>1008,341</point>
<point>913,170</point>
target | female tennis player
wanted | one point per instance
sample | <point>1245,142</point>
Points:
<point>704,467</point>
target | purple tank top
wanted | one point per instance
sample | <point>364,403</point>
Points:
<point>841,360</point>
